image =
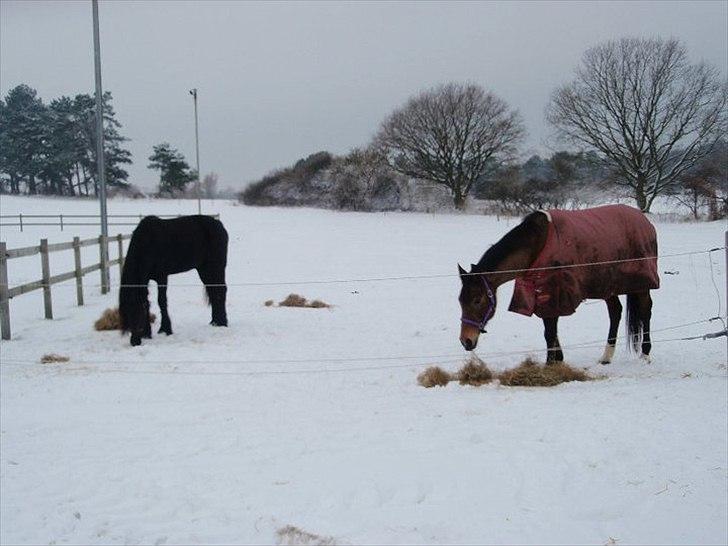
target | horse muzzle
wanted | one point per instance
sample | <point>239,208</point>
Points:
<point>469,337</point>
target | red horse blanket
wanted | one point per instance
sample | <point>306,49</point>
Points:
<point>601,234</point>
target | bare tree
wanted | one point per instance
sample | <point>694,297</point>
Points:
<point>646,108</point>
<point>209,185</point>
<point>450,135</point>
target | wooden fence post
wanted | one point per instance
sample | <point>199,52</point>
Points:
<point>79,274</point>
<point>46,269</point>
<point>120,240</point>
<point>4,289</point>
<point>20,217</point>
<point>104,264</point>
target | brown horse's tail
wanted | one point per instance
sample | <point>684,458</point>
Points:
<point>634,325</point>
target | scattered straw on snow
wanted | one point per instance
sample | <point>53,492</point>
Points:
<point>530,374</point>
<point>292,535</point>
<point>296,300</point>
<point>52,358</point>
<point>110,320</point>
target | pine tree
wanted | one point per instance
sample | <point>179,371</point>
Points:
<point>22,138</point>
<point>175,173</point>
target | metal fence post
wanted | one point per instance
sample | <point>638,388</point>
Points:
<point>20,217</point>
<point>61,217</point>
<point>120,241</point>
<point>46,269</point>
<point>4,289</point>
<point>104,263</point>
<point>79,275</point>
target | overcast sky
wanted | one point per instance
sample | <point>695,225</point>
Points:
<point>278,81</point>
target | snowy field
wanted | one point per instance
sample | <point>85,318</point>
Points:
<point>313,418</point>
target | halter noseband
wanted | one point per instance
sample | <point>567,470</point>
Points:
<point>488,312</point>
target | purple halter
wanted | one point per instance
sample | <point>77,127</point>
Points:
<point>488,312</point>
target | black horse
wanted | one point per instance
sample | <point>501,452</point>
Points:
<point>159,248</point>
<point>560,258</point>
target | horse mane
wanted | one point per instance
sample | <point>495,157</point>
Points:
<point>528,230</point>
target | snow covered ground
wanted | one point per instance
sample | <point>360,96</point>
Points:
<point>230,435</point>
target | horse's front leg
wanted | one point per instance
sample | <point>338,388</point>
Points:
<point>554,353</point>
<point>166,324</point>
<point>614,307</point>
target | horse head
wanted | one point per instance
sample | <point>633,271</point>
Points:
<point>134,312</point>
<point>477,302</point>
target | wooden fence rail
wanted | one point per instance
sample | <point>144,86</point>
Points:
<point>47,280</point>
<point>64,220</point>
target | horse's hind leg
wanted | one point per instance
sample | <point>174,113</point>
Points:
<point>147,326</point>
<point>166,324</point>
<point>214,280</point>
<point>645,313</point>
<point>614,307</point>
<point>554,353</point>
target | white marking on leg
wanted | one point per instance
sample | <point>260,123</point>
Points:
<point>608,354</point>
<point>646,358</point>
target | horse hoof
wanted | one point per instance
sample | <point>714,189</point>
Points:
<point>605,362</point>
<point>167,331</point>
<point>215,323</point>
<point>135,342</point>
<point>646,358</point>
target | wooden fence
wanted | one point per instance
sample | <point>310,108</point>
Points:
<point>64,220</point>
<point>44,249</point>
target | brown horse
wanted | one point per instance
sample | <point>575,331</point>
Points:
<point>560,258</point>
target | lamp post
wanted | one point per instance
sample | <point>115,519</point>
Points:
<point>100,162</point>
<point>193,92</point>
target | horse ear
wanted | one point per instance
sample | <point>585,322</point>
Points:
<point>461,271</point>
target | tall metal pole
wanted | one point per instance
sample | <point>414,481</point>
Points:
<point>193,92</point>
<point>100,163</point>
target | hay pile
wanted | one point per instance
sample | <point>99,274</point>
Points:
<point>528,374</point>
<point>434,376</point>
<point>292,535</point>
<point>53,358</point>
<point>110,320</point>
<point>474,372</point>
<point>296,300</point>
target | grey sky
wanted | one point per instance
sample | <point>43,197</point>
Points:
<point>278,81</point>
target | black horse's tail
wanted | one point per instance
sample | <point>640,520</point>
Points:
<point>634,325</point>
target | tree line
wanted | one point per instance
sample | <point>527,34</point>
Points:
<point>50,149</point>
<point>642,118</point>
<point>637,112</point>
